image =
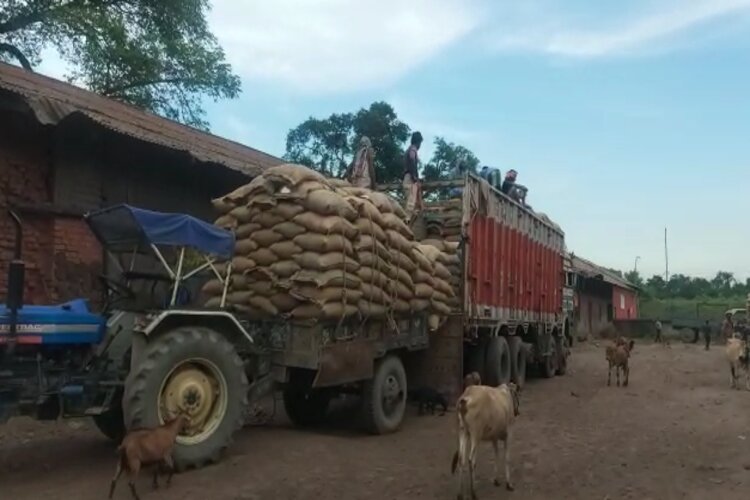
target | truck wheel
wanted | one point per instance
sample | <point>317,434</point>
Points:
<point>497,363</point>
<point>562,359</point>
<point>549,366</point>
<point>476,360</point>
<point>304,405</point>
<point>112,423</point>
<point>517,361</point>
<point>196,370</point>
<point>384,397</point>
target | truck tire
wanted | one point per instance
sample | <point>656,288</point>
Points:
<point>497,363</point>
<point>197,370</point>
<point>384,397</point>
<point>112,422</point>
<point>304,405</point>
<point>549,366</point>
<point>476,360</point>
<point>560,352</point>
<point>517,361</point>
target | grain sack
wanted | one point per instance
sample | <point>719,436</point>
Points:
<point>402,291</point>
<point>397,240</point>
<point>339,183</point>
<point>326,295</point>
<point>242,214</point>
<point>371,276</point>
<point>326,261</point>
<point>393,222</point>
<point>444,288</point>
<point>264,304</point>
<point>213,303</point>
<point>453,238</point>
<point>212,287</point>
<point>403,261</point>
<point>267,219</point>
<point>223,205</point>
<point>332,278</point>
<point>423,291</point>
<point>419,305</point>
<point>422,277</point>
<point>239,297</point>
<point>247,311</point>
<point>432,253</point>
<point>422,261</point>
<point>374,294</point>
<point>440,307</point>
<point>245,246</point>
<point>368,227</point>
<point>321,243</point>
<point>451,260</point>
<point>439,244</point>
<point>285,249</point>
<point>283,302</point>
<point>263,257</point>
<point>399,275</point>
<point>287,210</point>
<point>226,222</point>
<point>326,224</point>
<point>433,322</point>
<point>261,202</point>
<point>289,230</point>
<point>441,271</point>
<point>451,247</point>
<point>242,264</point>
<point>369,259</point>
<point>258,185</point>
<point>366,210</point>
<point>368,309</point>
<point>245,230</point>
<point>285,268</point>
<point>333,310</point>
<point>239,281</point>
<point>366,243</point>
<point>386,204</point>
<point>439,296</point>
<point>300,191</point>
<point>291,175</point>
<point>402,306</point>
<point>266,237</point>
<point>329,203</point>
<point>261,288</point>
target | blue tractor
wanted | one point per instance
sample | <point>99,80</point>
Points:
<point>148,355</point>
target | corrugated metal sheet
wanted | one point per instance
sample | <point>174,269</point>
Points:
<point>588,269</point>
<point>52,100</point>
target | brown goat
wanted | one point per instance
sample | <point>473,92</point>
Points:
<point>144,447</point>
<point>617,356</point>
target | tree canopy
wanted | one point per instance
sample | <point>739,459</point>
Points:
<point>156,54</point>
<point>723,284</point>
<point>329,144</point>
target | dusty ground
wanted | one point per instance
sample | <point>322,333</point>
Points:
<point>676,432</point>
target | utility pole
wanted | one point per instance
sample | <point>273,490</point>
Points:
<point>635,266</point>
<point>666,257</point>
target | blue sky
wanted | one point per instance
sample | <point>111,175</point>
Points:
<point>621,117</point>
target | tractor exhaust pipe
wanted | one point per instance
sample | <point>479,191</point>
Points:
<point>16,275</point>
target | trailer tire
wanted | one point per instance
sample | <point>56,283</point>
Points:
<point>497,363</point>
<point>389,381</point>
<point>212,383</point>
<point>517,361</point>
<point>562,358</point>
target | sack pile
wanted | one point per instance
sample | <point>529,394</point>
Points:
<point>313,249</point>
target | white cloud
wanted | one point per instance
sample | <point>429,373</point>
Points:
<point>331,45</point>
<point>554,35</point>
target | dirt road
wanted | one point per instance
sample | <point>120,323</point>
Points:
<point>676,432</point>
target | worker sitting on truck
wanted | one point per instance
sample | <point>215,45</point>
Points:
<point>361,171</point>
<point>511,188</point>
<point>411,175</point>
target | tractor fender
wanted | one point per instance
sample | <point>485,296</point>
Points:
<point>223,322</point>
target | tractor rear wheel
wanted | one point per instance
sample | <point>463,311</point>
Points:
<point>197,371</point>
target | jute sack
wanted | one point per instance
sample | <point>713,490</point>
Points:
<point>395,223</point>
<point>326,261</point>
<point>419,305</point>
<point>321,243</point>
<point>368,227</point>
<point>242,214</point>
<point>366,210</point>
<point>441,271</point>
<point>422,277</point>
<point>267,219</point>
<point>285,268</point>
<point>245,230</point>
<point>440,307</point>
<point>332,278</point>
<point>242,264</point>
<point>444,288</point>
<point>370,244</point>
<point>386,204</point>
<point>326,295</point>
<point>397,240</point>
<point>300,191</point>
<point>334,310</point>
<point>264,304</point>
<point>401,260</point>
<point>263,257</point>
<point>374,294</point>
<point>373,277</point>
<point>324,202</point>
<point>266,237</point>
<point>226,222</point>
<point>244,247</point>
<point>289,230</point>
<point>287,210</point>
<point>238,282</point>
<point>261,202</point>
<point>283,302</point>
<point>368,309</point>
<point>239,297</point>
<point>440,245</point>
<point>285,249</point>
<point>369,259</point>
<point>402,306</point>
<point>402,291</point>
<point>326,224</point>
<point>422,261</point>
<point>423,291</point>
<point>261,288</point>
<point>258,185</point>
<point>290,174</point>
<point>223,205</point>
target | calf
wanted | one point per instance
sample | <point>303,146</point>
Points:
<point>739,358</point>
<point>144,447</point>
<point>484,414</point>
<point>617,356</point>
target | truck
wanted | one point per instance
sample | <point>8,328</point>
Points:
<point>511,317</point>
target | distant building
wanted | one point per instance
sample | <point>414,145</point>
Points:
<point>600,297</point>
<point>65,151</point>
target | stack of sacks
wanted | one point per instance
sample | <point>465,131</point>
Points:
<point>311,249</point>
<point>451,259</point>
<point>438,290</point>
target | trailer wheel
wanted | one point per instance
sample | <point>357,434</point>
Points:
<point>384,397</point>
<point>304,405</point>
<point>497,363</point>
<point>562,358</point>
<point>196,370</point>
<point>518,361</point>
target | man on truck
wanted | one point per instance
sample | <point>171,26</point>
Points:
<point>411,175</point>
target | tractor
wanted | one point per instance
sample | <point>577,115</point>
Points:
<point>148,355</point>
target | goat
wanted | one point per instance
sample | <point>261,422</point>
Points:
<point>144,447</point>
<point>484,414</point>
<point>472,378</point>
<point>617,356</point>
<point>739,358</point>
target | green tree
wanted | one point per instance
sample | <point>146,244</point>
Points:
<point>635,278</point>
<point>446,157</point>
<point>156,54</point>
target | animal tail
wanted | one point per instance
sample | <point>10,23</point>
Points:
<point>454,463</point>
<point>463,408</point>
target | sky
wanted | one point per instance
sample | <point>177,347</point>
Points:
<point>622,118</point>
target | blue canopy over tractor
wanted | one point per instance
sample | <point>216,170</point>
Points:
<point>123,228</point>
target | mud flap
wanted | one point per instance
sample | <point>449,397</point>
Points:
<point>344,363</point>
